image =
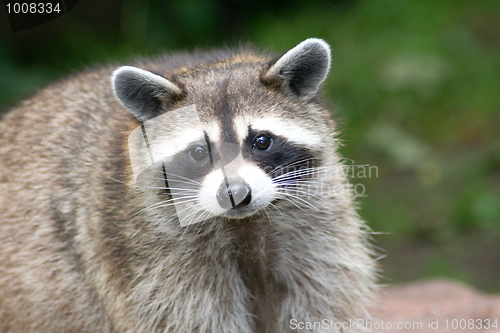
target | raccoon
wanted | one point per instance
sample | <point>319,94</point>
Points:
<point>195,192</point>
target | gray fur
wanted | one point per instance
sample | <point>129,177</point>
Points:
<point>84,250</point>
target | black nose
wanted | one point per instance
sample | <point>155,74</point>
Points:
<point>234,194</point>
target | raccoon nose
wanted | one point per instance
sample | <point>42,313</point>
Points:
<point>234,194</point>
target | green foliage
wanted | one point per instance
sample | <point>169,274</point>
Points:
<point>415,85</point>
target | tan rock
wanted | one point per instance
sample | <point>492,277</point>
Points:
<point>436,306</point>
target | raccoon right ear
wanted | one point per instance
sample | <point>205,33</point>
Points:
<point>301,70</point>
<point>143,92</point>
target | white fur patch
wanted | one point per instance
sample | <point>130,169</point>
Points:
<point>280,127</point>
<point>213,131</point>
<point>173,144</point>
<point>263,189</point>
<point>207,196</point>
<point>241,128</point>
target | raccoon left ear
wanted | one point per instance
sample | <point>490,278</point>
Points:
<point>143,92</point>
<point>302,69</point>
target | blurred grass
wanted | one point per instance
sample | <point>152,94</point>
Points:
<point>415,85</point>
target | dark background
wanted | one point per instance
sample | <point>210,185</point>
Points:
<point>415,85</point>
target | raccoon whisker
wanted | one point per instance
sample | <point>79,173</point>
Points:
<point>296,197</point>
<point>311,171</point>
<point>199,228</point>
<point>296,182</point>
<point>308,187</point>
<point>297,173</point>
<point>290,175</point>
<point>295,204</point>
<point>167,203</point>
<point>195,215</point>
<point>133,184</point>
<point>280,210</point>
<point>299,190</point>
<point>204,216</point>
<point>177,194</point>
<point>288,165</point>
<point>152,186</point>
<point>174,178</point>
<point>192,208</point>
<point>185,179</point>
<point>199,214</point>
<point>289,180</point>
<point>298,194</point>
<point>160,206</point>
<point>181,199</point>
<point>182,180</point>
<point>268,211</point>
<point>166,188</point>
<point>151,208</point>
<point>189,216</point>
<point>340,170</point>
<point>329,167</point>
<point>180,189</point>
<point>129,184</point>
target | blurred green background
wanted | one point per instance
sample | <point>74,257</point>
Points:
<point>415,86</point>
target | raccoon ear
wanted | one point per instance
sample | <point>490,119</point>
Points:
<point>302,69</point>
<point>142,92</point>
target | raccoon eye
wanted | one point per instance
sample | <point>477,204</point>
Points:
<point>198,153</point>
<point>262,142</point>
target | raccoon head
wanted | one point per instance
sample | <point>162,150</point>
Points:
<point>229,137</point>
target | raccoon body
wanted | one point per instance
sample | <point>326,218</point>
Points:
<point>191,193</point>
